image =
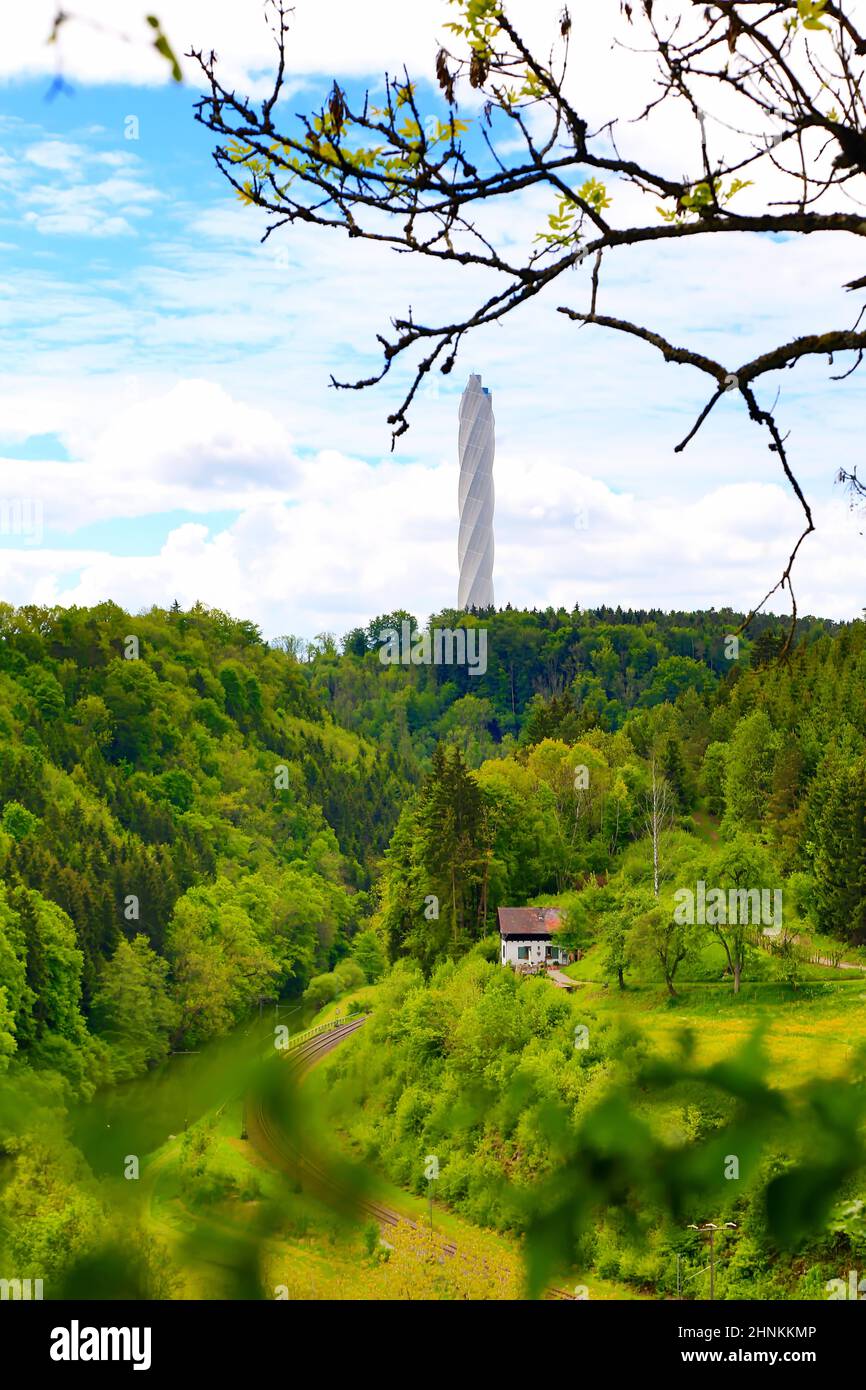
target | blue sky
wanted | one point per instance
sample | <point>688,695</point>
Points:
<point>166,408</point>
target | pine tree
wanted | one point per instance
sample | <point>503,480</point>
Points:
<point>674,771</point>
<point>840,853</point>
<point>453,828</point>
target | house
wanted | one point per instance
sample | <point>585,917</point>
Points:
<point>526,935</point>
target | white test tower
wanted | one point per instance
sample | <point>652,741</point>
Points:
<point>475,540</point>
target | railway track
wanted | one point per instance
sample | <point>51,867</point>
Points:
<point>282,1150</point>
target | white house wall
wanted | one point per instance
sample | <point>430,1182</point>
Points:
<point>537,945</point>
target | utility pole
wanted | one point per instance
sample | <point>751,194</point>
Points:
<point>710,1227</point>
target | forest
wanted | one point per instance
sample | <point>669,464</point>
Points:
<point>197,824</point>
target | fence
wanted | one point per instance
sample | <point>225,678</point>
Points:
<point>297,1038</point>
<point>776,945</point>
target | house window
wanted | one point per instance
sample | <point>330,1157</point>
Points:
<point>523,953</point>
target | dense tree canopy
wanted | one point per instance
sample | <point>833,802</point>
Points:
<point>210,823</point>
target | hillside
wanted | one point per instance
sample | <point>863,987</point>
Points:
<point>194,822</point>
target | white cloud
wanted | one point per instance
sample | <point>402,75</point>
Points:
<point>194,438</point>
<point>192,448</point>
<point>99,208</point>
<point>63,187</point>
<point>100,45</point>
<point>58,155</point>
<point>196,378</point>
<point>329,541</point>
<point>84,222</point>
<point>612,71</point>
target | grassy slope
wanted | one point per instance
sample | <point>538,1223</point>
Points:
<point>319,1255</point>
<point>811,1031</point>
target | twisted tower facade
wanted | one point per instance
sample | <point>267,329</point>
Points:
<point>475,539</point>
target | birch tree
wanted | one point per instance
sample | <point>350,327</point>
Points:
<point>659,807</point>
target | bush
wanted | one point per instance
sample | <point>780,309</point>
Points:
<point>488,948</point>
<point>348,975</point>
<point>368,953</point>
<point>358,1006</point>
<point>800,891</point>
<point>321,990</point>
<point>249,1189</point>
<point>371,1238</point>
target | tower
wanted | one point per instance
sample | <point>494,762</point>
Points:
<point>475,539</point>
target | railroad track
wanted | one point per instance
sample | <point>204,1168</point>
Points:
<point>282,1150</point>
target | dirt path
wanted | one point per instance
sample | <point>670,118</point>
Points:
<point>708,826</point>
<point>825,960</point>
<point>561,981</point>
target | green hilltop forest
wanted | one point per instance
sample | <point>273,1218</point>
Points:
<point>194,821</point>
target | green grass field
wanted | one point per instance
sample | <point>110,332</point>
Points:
<point>811,1030</point>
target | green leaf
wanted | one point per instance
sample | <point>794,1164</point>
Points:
<point>164,48</point>
<point>810,12</point>
<point>798,1202</point>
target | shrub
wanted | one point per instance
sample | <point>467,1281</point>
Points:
<point>368,953</point>
<point>348,975</point>
<point>321,990</point>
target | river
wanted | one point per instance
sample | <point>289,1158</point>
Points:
<point>138,1116</point>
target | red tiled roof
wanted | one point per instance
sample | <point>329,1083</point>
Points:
<point>529,921</point>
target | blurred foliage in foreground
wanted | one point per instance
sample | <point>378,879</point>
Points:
<point>592,1157</point>
<point>601,1156</point>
